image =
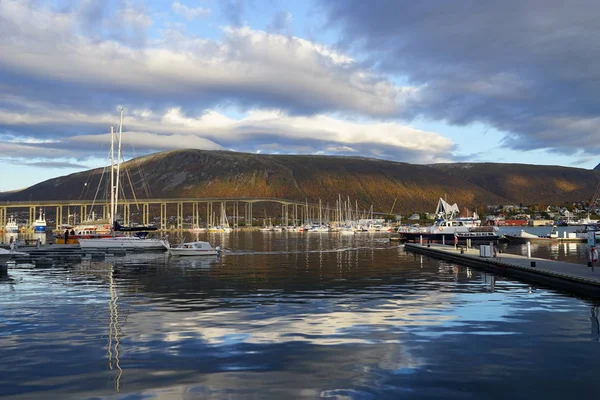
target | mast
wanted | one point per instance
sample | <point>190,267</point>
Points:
<point>118,165</point>
<point>112,175</point>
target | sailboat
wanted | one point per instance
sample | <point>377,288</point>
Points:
<point>119,241</point>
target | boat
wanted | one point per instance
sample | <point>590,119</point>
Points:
<point>70,234</point>
<point>39,225</point>
<point>11,225</point>
<point>448,227</point>
<point>119,240</point>
<point>552,237</point>
<point>197,248</point>
<point>125,242</point>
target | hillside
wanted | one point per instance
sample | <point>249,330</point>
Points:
<point>204,174</point>
<point>527,184</point>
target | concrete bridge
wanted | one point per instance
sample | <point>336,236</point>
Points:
<point>145,211</point>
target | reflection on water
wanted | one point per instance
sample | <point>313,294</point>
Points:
<point>290,315</point>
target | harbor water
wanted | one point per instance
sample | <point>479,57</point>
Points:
<point>293,316</point>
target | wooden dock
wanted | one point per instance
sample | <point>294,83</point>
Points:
<point>576,278</point>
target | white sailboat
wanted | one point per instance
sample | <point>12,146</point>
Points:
<point>119,241</point>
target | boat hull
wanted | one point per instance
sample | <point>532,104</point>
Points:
<point>523,240</point>
<point>449,237</point>
<point>124,243</point>
<point>192,252</point>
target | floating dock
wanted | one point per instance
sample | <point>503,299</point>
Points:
<point>577,278</point>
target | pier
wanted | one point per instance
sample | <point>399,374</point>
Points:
<point>576,278</point>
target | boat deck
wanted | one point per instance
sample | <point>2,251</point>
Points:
<point>578,278</point>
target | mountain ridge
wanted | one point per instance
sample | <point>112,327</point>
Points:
<point>366,181</point>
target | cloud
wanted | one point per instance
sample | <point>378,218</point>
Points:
<point>266,131</point>
<point>189,13</point>
<point>46,60</point>
<point>524,67</point>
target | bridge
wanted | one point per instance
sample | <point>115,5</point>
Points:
<point>239,210</point>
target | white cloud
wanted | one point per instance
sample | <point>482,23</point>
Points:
<point>189,13</point>
<point>248,67</point>
<point>258,130</point>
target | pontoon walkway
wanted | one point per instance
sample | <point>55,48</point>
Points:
<point>578,278</point>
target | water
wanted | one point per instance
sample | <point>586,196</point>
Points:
<point>291,315</point>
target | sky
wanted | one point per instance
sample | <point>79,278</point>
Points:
<point>422,82</point>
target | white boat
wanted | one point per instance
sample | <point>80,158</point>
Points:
<point>39,225</point>
<point>139,242</point>
<point>118,239</point>
<point>197,248</point>
<point>11,225</point>
<point>449,227</point>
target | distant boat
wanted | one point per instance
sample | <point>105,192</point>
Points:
<point>11,225</point>
<point>197,248</point>
<point>448,227</point>
<point>39,225</point>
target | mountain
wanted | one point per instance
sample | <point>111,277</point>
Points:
<point>528,184</point>
<point>367,181</point>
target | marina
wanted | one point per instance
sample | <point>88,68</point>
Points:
<point>291,315</point>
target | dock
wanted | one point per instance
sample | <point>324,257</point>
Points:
<point>576,278</point>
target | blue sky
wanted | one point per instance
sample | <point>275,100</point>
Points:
<point>418,82</point>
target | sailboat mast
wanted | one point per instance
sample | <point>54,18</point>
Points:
<point>118,163</point>
<point>112,175</point>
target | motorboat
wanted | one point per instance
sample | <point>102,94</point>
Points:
<point>450,228</point>
<point>552,237</point>
<point>524,237</point>
<point>69,234</point>
<point>197,248</point>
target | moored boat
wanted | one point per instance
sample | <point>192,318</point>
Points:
<point>122,242</point>
<point>119,240</point>
<point>552,237</point>
<point>39,225</point>
<point>197,248</point>
<point>11,225</point>
<point>448,228</point>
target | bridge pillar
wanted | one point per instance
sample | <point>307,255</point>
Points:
<point>179,216</point>
<point>58,217</point>
<point>3,219</point>
<point>163,216</point>
<point>145,214</point>
<point>126,214</point>
<point>249,217</point>
<point>31,217</point>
